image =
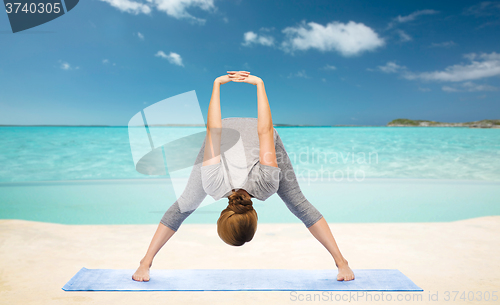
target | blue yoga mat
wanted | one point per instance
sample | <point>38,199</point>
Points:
<point>240,280</point>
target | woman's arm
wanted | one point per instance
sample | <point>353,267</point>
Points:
<point>214,127</point>
<point>265,129</point>
<point>214,120</point>
<point>194,193</point>
<point>264,119</point>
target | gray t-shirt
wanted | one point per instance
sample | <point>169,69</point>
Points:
<point>239,166</point>
<point>289,189</point>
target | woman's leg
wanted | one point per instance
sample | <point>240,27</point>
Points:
<point>162,235</point>
<point>192,196</point>
<point>289,191</point>
<point>321,231</point>
<point>194,193</point>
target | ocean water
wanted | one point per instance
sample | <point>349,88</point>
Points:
<point>390,174</point>
<point>81,153</point>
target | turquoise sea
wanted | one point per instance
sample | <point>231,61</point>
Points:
<point>86,175</point>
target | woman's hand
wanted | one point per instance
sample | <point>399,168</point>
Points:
<point>240,75</point>
<point>245,77</point>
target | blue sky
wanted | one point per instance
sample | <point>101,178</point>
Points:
<point>322,62</point>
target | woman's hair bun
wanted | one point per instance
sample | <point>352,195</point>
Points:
<point>238,222</point>
<point>239,204</point>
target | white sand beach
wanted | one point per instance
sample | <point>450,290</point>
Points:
<point>38,258</point>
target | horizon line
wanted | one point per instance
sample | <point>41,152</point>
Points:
<point>184,125</point>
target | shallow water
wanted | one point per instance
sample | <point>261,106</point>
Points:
<point>145,201</point>
<point>76,153</point>
<point>86,175</point>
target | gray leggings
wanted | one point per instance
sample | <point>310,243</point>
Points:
<point>289,191</point>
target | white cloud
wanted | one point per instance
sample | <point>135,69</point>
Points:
<point>391,67</point>
<point>178,8</point>
<point>485,8</point>
<point>329,67</point>
<point>486,65</point>
<point>253,38</point>
<point>139,34</point>
<point>66,66</point>
<point>449,89</point>
<point>403,36</point>
<point>106,61</point>
<point>267,29</point>
<point>301,73</point>
<point>348,39</point>
<point>481,66</point>
<point>469,87</point>
<point>174,8</point>
<point>130,6</point>
<point>173,58</point>
<point>414,15</point>
<point>443,44</point>
<point>411,17</point>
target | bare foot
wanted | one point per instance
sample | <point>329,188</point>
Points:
<point>142,273</point>
<point>345,273</point>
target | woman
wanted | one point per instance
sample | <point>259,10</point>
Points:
<point>270,172</point>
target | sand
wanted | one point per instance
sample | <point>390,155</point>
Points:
<point>37,259</point>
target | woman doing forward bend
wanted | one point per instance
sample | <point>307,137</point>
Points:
<point>240,177</point>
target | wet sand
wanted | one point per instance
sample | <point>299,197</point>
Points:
<point>38,258</point>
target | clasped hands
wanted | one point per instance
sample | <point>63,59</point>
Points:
<point>238,77</point>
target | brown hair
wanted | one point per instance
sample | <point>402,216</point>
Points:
<point>238,222</point>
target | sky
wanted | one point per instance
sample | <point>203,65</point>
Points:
<point>322,62</point>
